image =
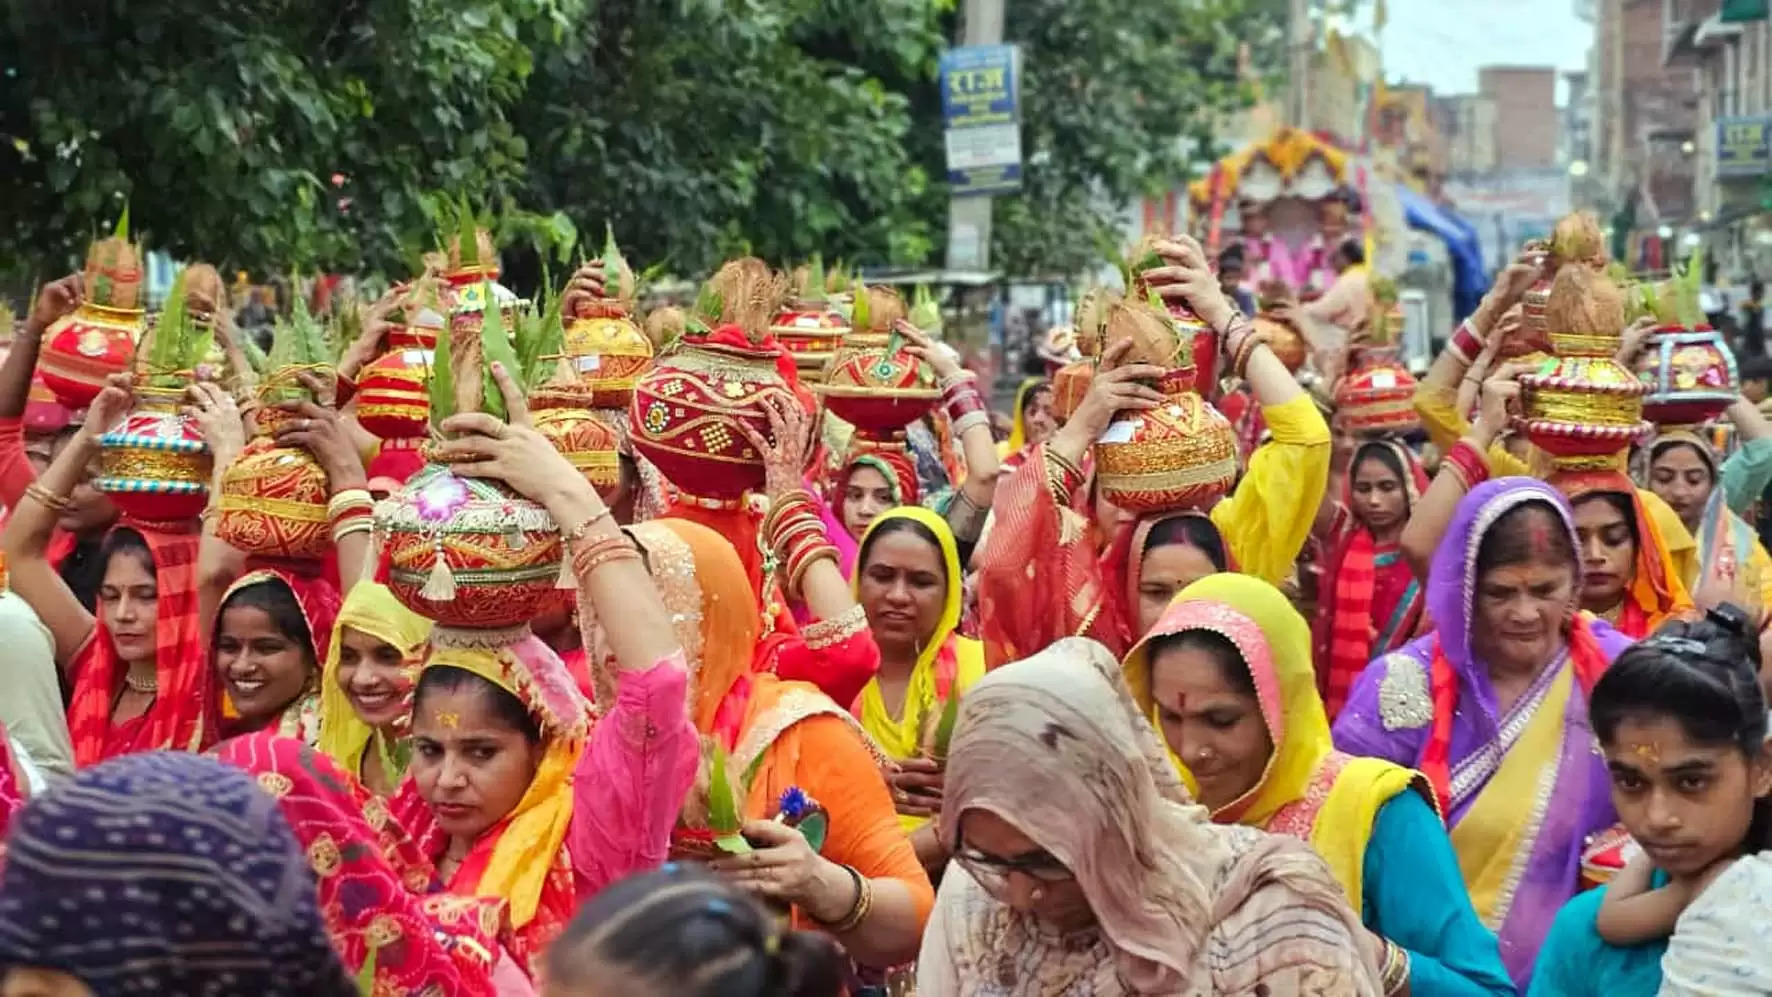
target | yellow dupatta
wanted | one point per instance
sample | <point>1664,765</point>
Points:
<point>371,609</point>
<point>901,737</point>
<point>1018,430</point>
<point>531,836</point>
<point>1494,838</point>
<point>1308,789</point>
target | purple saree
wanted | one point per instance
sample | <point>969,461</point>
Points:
<point>1527,784</point>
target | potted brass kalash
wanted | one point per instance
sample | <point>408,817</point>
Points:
<point>154,464</point>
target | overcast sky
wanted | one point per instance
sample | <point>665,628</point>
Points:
<point>1443,42</point>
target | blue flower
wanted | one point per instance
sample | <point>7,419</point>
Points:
<point>794,803</point>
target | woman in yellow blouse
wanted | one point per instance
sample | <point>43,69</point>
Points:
<point>1060,562</point>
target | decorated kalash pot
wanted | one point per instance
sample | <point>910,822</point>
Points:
<point>810,326</point>
<point>1576,239</point>
<point>470,280</point>
<point>560,405</point>
<point>1181,454</point>
<point>393,393</point>
<point>1192,331</point>
<point>608,350</point>
<point>1687,365</point>
<point>1070,383</point>
<point>469,553</point>
<point>1581,405</point>
<point>155,464</point>
<point>1377,395</point>
<point>1283,338</point>
<point>274,498</point>
<point>81,350</point>
<point>689,405</point>
<point>874,382</point>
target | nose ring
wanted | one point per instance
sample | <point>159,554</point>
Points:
<point>1037,894</point>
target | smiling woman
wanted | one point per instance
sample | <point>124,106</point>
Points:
<point>271,633</point>
<point>367,684</point>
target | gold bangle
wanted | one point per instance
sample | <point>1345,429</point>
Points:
<point>47,498</point>
<point>578,532</point>
<point>858,911</point>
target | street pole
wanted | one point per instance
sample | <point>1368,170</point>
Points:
<point>969,218</point>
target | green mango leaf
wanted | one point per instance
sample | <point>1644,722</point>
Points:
<point>366,975</point>
<point>723,817</point>
<point>944,729</point>
<point>495,347</point>
<point>733,844</point>
<point>122,230</point>
<point>816,828</point>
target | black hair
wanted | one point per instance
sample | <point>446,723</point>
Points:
<point>507,708</point>
<point>83,570</point>
<point>1190,531</point>
<point>1033,393</point>
<point>1702,673</point>
<point>1232,255</point>
<point>1352,251</point>
<point>902,524</point>
<point>1621,503</point>
<point>1755,368</point>
<point>1383,453</point>
<point>127,543</point>
<point>1703,458</point>
<point>273,597</point>
<point>1230,660</point>
<point>1508,541</point>
<point>682,932</point>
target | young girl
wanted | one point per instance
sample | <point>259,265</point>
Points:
<point>1682,722</point>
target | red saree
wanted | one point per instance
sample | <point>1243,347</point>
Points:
<point>186,693</point>
<point>1370,601</point>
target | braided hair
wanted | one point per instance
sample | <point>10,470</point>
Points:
<point>1703,674</point>
<point>680,932</point>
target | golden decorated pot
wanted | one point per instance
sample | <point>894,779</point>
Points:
<point>1581,406</point>
<point>1180,455</point>
<point>154,464</point>
<point>608,351</point>
<point>274,502</point>
<point>562,413</point>
<point>1377,397</point>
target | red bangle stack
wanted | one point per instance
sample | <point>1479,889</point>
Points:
<point>1465,343</point>
<point>965,404</point>
<point>797,537</point>
<point>1468,463</point>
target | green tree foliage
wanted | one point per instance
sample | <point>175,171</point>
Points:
<point>704,128</point>
<point>1121,100</point>
<point>698,128</point>
<point>223,123</point>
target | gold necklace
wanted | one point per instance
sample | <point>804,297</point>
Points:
<point>146,686</point>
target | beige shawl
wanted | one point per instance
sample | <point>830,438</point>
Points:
<point>1055,746</point>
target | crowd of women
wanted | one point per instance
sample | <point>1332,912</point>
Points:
<point>1048,746</point>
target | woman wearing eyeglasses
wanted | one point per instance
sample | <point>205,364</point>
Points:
<point>1080,865</point>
